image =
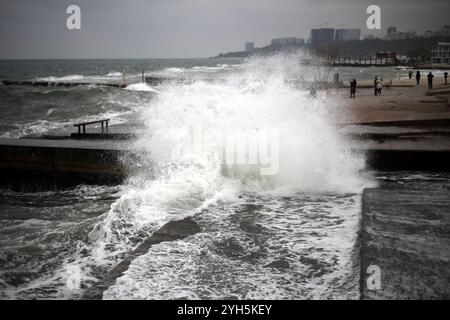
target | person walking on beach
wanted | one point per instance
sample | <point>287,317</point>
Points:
<point>352,88</point>
<point>430,80</point>
<point>336,80</point>
<point>379,86</point>
<point>375,89</point>
<point>418,77</point>
<point>410,74</point>
<point>445,77</point>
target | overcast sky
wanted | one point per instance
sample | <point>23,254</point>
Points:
<point>189,28</point>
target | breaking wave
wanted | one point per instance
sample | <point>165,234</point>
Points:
<point>182,164</point>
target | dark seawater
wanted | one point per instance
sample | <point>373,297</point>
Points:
<point>26,110</point>
<point>41,232</point>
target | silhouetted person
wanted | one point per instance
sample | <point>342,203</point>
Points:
<point>313,91</point>
<point>352,88</point>
<point>418,77</point>
<point>379,86</point>
<point>430,80</point>
<point>445,77</point>
<point>336,80</point>
<point>410,74</point>
<point>375,86</point>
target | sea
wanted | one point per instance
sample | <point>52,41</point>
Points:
<point>289,234</point>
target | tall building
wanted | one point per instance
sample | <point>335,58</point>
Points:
<point>429,34</point>
<point>391,30</point>
<point>393,34</point>
<point>283,42</point>
<point>322,37</point>
<point>441,53</point>
<point>445,31</point>
<point>300,41</point>
<point>347,35</point>
<point>249,47</point>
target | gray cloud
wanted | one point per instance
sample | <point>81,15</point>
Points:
<point>188,28</point>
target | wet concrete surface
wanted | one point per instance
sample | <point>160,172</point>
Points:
<point>405,232</point>
<point>171,231</point>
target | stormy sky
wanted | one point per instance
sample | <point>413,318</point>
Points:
<point>189,28</point>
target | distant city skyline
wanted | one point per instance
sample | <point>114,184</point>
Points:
<point>327,36</point>
<point>190,28</point>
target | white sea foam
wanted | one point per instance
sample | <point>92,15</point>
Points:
<point>174,70</point>
<point>74,77</point>
<point>140,87</point>
<point>114,74</point>
<point>301,248</point>
<point>198,70</point>
<point>171,185</point>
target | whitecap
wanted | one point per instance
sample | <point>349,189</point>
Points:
<point>74,77</point>
<point>140,87</point>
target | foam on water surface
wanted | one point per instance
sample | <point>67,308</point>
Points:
<point>298,247</point>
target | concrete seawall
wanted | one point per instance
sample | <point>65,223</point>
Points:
<point>37,164</point>
<point>404,232</point>
<point>40,164</point>
<point>171,231</point>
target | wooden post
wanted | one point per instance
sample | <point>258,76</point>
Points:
<point>124,80</point>
<point>143,78</point>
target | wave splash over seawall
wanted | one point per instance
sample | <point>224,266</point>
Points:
<point>187,168</point>
<point>191,129</point>
<point>284,143</point>
<point>183,169</point>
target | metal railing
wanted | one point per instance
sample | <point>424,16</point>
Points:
<point>104,124</point>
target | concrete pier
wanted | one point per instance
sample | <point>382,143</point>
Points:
<point>405,233</point>
<point>171,231</point>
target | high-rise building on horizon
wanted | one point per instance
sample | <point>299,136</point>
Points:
<point>249,46</point>
<point>300,41</point>
<point>393,34</point>
<point>322,37</point>
<point>283,42</point>
<point>445,31</point>
<point>347,35</point>
<point>391,30</point>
